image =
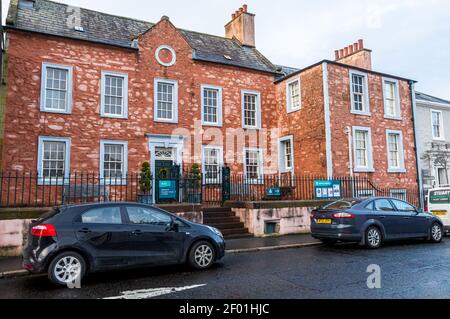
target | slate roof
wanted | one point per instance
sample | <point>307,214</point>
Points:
<point>51,18</point>
<point>285,71</point>
<point>428,98</point>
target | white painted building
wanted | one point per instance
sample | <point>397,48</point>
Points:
<point>433,122</point>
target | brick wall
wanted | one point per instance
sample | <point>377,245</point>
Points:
<point>24,121</point>
<point>340,107</point>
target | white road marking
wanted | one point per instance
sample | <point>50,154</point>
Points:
<point>152,293</point>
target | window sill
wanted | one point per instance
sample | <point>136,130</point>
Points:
<point>361,113</point>
<point>442,139</point>
<point>251,128</point>
<point>290,111</point>
<point>364,170</point>
<point>212,124</point>
<point>397,171</point>
<point>166,121</point>
<point>53,182</point>
<point>56,112</point>
<point>116,117</point>
<point>394,118</point>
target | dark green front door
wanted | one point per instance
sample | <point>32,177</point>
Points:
<point>167,182</point>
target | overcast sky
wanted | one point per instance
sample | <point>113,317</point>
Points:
<point>409,38</point>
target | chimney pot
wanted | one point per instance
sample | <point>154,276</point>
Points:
<point>361,44</point>
<point>355,47</point>
<point>233,16</point>
<point>245,7</point>
<point>336,54</point>
<point>346,51</point>
<point>241,10</point>
<point>341,53</point>
<point>350,49</point>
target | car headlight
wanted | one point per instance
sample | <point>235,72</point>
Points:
<point>215,231</point>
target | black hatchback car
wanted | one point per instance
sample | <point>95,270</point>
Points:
<point>71,241</point>
<point>372,221</point>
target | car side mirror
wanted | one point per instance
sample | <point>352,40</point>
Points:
<point>174,227</point>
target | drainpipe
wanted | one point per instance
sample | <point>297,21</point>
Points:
<point>417,147</point>
<point>348,130</point>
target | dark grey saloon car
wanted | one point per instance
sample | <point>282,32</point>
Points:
<point>372,221</point>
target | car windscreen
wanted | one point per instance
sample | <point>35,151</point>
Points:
<point>342,204</point>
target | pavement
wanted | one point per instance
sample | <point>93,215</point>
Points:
<point>411,269</point>
<point>12,266</point>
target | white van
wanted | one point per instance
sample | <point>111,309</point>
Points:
<point>439,205</point>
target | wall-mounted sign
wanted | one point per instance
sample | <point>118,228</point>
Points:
<point>274,192</point>
<point>327,189</point>
<point>167,189</point>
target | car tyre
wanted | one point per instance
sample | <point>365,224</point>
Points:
<point>67,268</point>
<point>202,255</point>
<point>436,233</point>
<point>373,238</point>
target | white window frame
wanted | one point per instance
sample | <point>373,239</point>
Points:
<point>124,114</point>
<point>291,109</point>
<point>282,154</point>
<point>125,163</point>
<point>366,99</point>
<point>442,137</point>
<point>259,180</point>
<point>398,115</point>
<point>258,109</point>
<point>401,168</point>
<point>175,101</point>
<point>370,166</point>
<point>402,192</point>
<point>219,122</point>
<point>69,70</point>
<point>40,169</point>
<point>365,193</point>
<point>220,163</point>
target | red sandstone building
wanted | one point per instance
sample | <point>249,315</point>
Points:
<point>88,91</point>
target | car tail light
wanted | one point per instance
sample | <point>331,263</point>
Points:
<point>343,215</point>
<point>44,230</point>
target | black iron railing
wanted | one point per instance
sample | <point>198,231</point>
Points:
<point>28,189</point>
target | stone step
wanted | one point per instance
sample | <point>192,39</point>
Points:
<point>216,210</point>
<point>218,214</point>
<point>220,220</point>
<point>223,226</point>
<point>239,236</point>
<point>234,231</point>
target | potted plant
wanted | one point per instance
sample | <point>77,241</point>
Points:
<point>195,184</point>
<point>145,184</point>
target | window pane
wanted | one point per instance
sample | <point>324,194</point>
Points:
<point>403,207</point>
<point>394,150</point>
<point>211,105</point>
<point>105,215</point>
<point>114,95</point>
<point>56,89</point>
<point>358,82</point>
<point>113,161</point>
<point>294,95</point>
<point>139,216</point>
<point>212,165</point>
<point>361,147</point>
<point>383,205</point>
<point>53,159</point>
<point>250,110</point>
<point>165,101</point>
<point>252,164</point>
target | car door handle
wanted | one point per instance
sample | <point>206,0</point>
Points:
<point>85,231</point>
<point>406,217</point>
<point>138,232</point>
<point>382,217</point>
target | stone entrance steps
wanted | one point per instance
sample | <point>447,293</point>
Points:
<point>226,221</point>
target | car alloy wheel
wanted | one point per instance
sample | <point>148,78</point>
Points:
<point>67,269</point>
<point>203,256</point>
<point>373,238</point>
<point>436,233</point>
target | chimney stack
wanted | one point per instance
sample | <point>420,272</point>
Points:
<point>242,27</point>
<point>355,55</point>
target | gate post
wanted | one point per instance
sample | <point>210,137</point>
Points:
<point>226,184</point>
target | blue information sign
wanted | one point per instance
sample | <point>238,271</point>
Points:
<point>327,189</point>
<point>274,192</point>
<point>167,189</point>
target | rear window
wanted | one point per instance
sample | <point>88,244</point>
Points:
<point>55,211</point>
<point>441,196</point>
<point>342,204</point>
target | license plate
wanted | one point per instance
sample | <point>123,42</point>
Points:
<point>440,213</point>
<point>324,221</point>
